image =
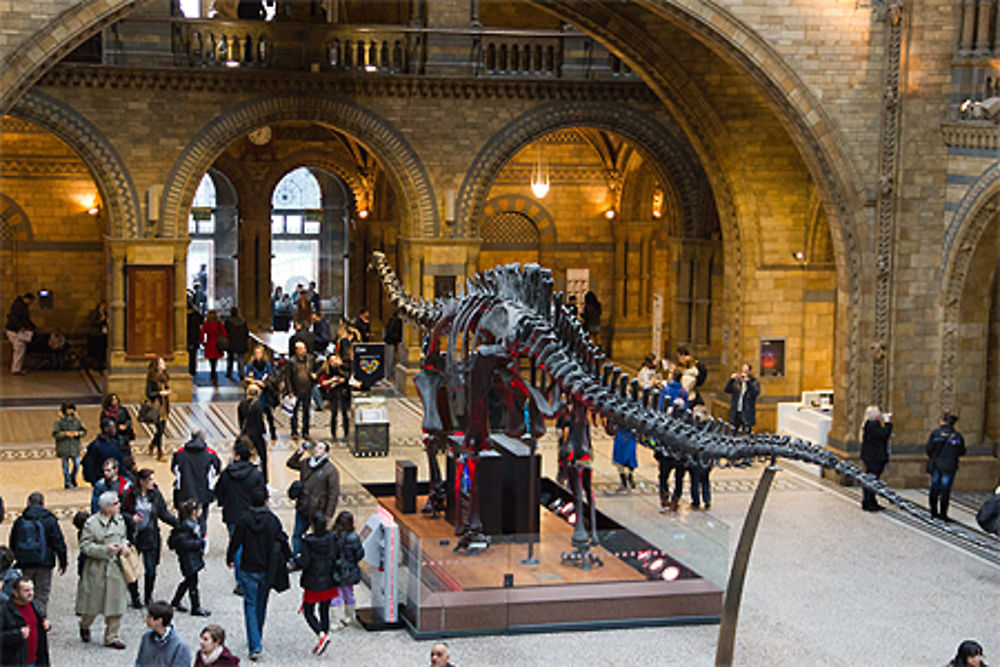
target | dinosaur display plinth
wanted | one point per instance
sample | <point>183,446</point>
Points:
<point>494,591</point>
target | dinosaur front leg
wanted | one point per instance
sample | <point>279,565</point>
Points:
<point>436,495</point>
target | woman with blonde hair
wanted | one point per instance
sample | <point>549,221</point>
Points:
<point>875,433</point>
<point>158,393</point>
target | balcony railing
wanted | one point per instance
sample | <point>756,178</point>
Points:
<point>393,50</point>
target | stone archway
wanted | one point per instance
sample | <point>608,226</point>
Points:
<point>670,155</point>
<point>968,258</point>
<point>58,37</point>
<point>110,174</point>
<point>816,136</point>
<point>405,169</point>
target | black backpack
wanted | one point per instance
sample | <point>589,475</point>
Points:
<point>31,547</point>
<point>988,516</point>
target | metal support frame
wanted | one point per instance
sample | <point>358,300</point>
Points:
<point>738,573</point>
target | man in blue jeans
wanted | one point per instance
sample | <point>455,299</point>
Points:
<point>944,447</point>
<point>256,534</point>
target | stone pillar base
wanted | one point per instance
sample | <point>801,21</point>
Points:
<point>127,378</point>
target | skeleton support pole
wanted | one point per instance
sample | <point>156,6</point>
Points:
<point>737,575</point>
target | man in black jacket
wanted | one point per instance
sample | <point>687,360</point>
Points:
<point>196,468</point>
<point>194,322</point>
<point>37,541</point>
<point>239,339</point>
<point>236,485</point>
<point>23,628</point>
<point>103,447</point>
<point>260,536</point>
<point>944,447</point>
<point>20,330</point>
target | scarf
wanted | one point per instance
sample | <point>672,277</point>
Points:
<point>111,412</point>
<point>209,658</point>
<point>260,364</point>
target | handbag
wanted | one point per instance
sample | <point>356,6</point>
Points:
<point>222,343</point>
<point>149,413</point>
<point>131,564</point>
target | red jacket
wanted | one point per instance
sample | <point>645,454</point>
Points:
<point>227,659</point>
<point>210,332</point>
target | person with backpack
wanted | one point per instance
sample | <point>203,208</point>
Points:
<point>67,432</point>
<point>318,559</point>
<point>260,536</point>
<point>144,507</point>
<point>944,447</point>
<point>239,342</point>
<point>346,572</point>
<point>37,542</point>
<point>236,484</point>
<point>188,542</point>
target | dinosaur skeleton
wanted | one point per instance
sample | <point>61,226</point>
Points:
<point>512,311</point>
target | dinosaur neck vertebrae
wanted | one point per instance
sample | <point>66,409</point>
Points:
<point>517,307</point>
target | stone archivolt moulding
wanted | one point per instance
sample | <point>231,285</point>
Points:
<point>275,82</point>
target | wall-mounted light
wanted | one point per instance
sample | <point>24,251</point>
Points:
<point>799,256</point>
<point>363,213</point>
<point>658,204</point>
<point>94,210</point>
<point>610,214</point>
<point>232,63</point>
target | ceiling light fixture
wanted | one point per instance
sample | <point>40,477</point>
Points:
<point>540,175</point>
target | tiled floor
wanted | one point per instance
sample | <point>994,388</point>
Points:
<point>827,585</point>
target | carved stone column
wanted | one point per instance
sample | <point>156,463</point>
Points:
<point>254,264</point>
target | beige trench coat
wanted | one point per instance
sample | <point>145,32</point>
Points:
<point>102,586</point>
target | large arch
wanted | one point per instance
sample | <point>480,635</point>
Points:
<point>23,66</point>
<point>408,174</point>
<point>978,214</point>
<point>671,156</point>
<point>107,167</point>
<point>816,136</point>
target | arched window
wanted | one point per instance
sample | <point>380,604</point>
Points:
<point>296,205</point>
<point>202,217</point>
<point>509,230</point>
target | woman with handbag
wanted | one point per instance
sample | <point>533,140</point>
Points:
<point>189,544</point>
<point>158,393</point>
<point>144,508</point>
<point>213,332</point>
